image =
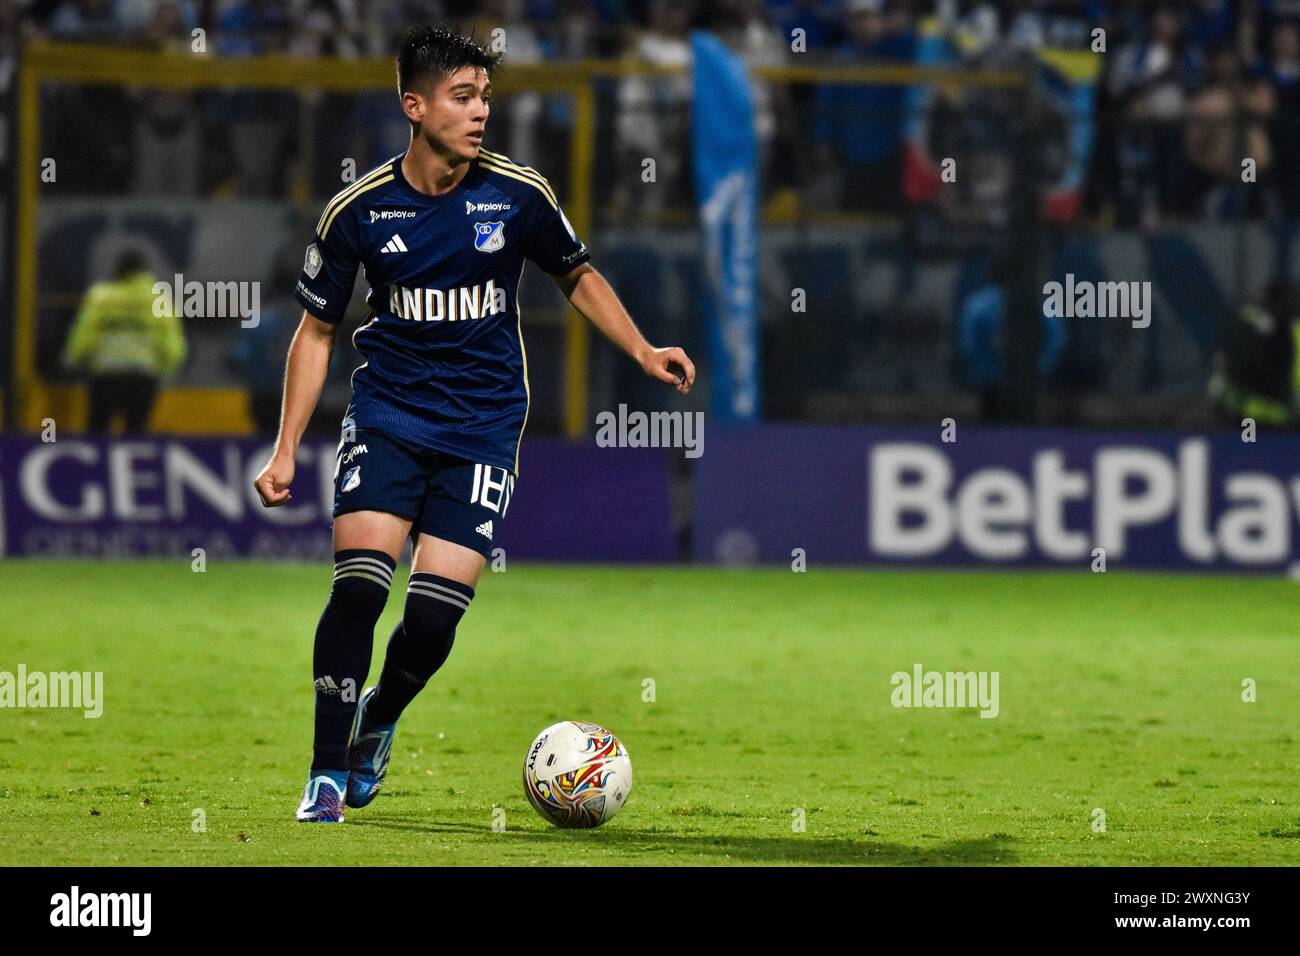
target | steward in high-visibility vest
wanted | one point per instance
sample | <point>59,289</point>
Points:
<point>123,346</point>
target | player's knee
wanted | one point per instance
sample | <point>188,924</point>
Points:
<point>434,606</point>
<point>362,579</point>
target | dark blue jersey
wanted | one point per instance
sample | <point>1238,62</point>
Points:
<point>445,363</point>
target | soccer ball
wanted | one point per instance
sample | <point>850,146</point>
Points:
<point>577,774</point>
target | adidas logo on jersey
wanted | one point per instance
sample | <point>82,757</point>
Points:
<point>326,685</point>
<point>485,529</point>
<point>394,244</point>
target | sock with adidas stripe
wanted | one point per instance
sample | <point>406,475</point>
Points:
<point>345,638</point>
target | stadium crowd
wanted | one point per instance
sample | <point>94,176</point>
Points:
<point>1185,91</point>
<point>1181,83</point>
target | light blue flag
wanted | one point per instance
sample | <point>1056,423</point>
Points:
<point>726,182</point>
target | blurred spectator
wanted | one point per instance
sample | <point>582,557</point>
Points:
<point>366,19</point>
<point>156,20</point>
<point>1149,84</point>
<point>980,318</point>
<point>653,115</point>
<point>516,126</point>
<point>1283,72</point>
<point>1211,22</point>
<point>322,28</point>
<point>10,25</point>
<point>87,20</point>
<point>123,347</point>
<point>9,36</point>
<point>1256,373</point>
<point>260,126</point>
<point>169,27</point>
<point>858,129</point>
<point>251,27</point>
<point>168,144</point>
<point>1033,24</point>
<point>977,26</point>
<point>1226,123</point>
<point>819,20</point>
<point>577,34</point>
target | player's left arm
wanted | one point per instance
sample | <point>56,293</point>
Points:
<point>589,293</point>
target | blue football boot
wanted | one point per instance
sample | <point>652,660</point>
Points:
<point>322,801</point>
<point>367,755</point>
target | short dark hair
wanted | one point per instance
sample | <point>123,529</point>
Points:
<point>430,53</point>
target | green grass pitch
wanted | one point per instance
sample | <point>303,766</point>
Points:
<point>772,692</point>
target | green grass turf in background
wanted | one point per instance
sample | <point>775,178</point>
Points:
<point>1118,691</point>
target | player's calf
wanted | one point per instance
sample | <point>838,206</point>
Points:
<point>421,644</point>
<point>418,647</point>
<point>340,662</point>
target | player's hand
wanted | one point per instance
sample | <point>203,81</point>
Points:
<point>671,365</point>
<point>273,482</point>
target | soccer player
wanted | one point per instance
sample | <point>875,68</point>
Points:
<point>430,444</point>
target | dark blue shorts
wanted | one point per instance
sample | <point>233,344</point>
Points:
<point>441,494</point>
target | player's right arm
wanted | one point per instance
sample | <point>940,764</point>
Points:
<point>304,378</point>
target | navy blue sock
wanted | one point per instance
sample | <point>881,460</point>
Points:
<point>345,638</point>
<point>419,644</point>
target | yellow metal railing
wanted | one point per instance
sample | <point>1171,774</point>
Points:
<point>34,397</point>
<point>71,63</point>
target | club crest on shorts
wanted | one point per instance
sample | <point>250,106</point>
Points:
<point>311,265</point>
<point>489,236</point>
<point>351,478</point>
